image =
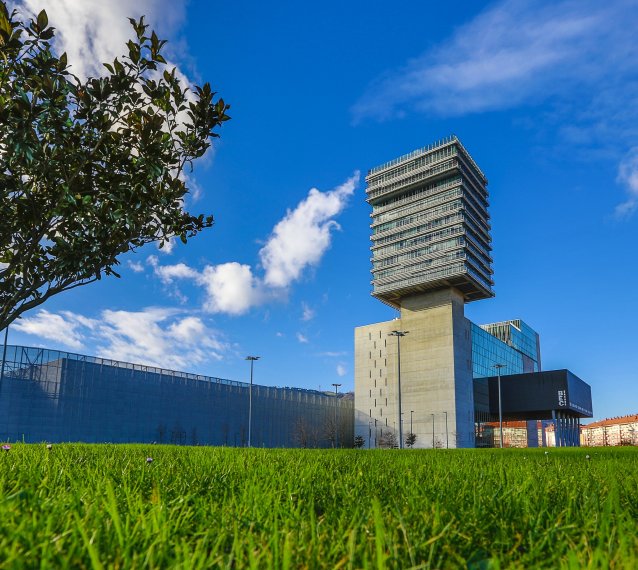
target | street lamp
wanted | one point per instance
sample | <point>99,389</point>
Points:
<point>399,334</point>
<point>4,354</point>
<point>432,430</point>
<point>447,440</point>
<point>336,430</point>
<point>250,396</point>
<point>500,408</point>
<point>411,412</point>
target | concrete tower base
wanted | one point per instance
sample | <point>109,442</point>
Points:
<point>436,374</point>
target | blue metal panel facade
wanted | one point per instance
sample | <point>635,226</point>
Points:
<point>49,395</point>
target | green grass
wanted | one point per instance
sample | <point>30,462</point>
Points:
<point>103,506</point>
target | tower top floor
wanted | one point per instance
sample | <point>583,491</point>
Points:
<point>430,224</point>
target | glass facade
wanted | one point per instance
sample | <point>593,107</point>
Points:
<point>430,225</point>
<point>511,343</point>
<point>48,395</point>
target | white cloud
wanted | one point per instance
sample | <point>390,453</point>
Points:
<point>62,329</point>
<point>515,51</point>
<point>333,354</point>
<point>153,336</point>
<point>304,235</point>
<point>135,266</point>
<point>307,313</point>
<point>298,241</point>
<point>168,273</point>
<point>302,338</point>
<point>92,32</point>
<point>628,176</point>
<point>341,370</point>
<point>231,288</point>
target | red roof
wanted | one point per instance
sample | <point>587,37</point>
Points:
<point>632,418</point>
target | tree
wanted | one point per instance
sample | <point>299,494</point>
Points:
<point>410,439</point>
<point>301,432</point>
<point>388,440</point>
<point>330,431</point>
<point>90,169</point>
<point>359,441</point>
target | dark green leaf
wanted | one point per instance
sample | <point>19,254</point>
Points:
<point>43,20</point>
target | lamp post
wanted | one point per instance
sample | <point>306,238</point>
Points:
<point>336,430</point>
<point>4,354</point>
<point>500,408</point>
<point>447,440</point>
<point>432,430</point>
<point>411,412</point>
<point>399,334</point>
<point>250,397</point>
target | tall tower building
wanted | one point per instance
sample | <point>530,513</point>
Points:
<point>430,255</point>
<point>430,226</point>
<point>430,371</point>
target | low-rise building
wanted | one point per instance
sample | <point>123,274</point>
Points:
<point>611,431</point>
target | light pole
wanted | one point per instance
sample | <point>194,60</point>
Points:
<point>447,440</point>
<point>4,354</point>
<point>250,396</point>
<point>500,407</point>
<point>336,430</point>
<point>399,334</point>
<point>411,412</point>
<point>432,430</point>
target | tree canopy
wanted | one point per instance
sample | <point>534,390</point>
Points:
<point>90,168</point>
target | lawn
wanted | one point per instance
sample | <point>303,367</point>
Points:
<point>108,506</point>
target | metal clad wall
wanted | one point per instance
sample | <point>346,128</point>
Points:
<point>55,396</point>
<point>540,393</point>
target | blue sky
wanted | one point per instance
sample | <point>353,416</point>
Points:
<point>543,95</point>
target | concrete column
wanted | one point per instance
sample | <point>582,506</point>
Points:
<point>532,433</point>
<point>436,366</point>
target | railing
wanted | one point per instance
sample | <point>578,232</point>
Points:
<point>421,201</point>
<point>424,278</point>
<point>22,357</point>
<point>413,154</point>
<point>445,165</point>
